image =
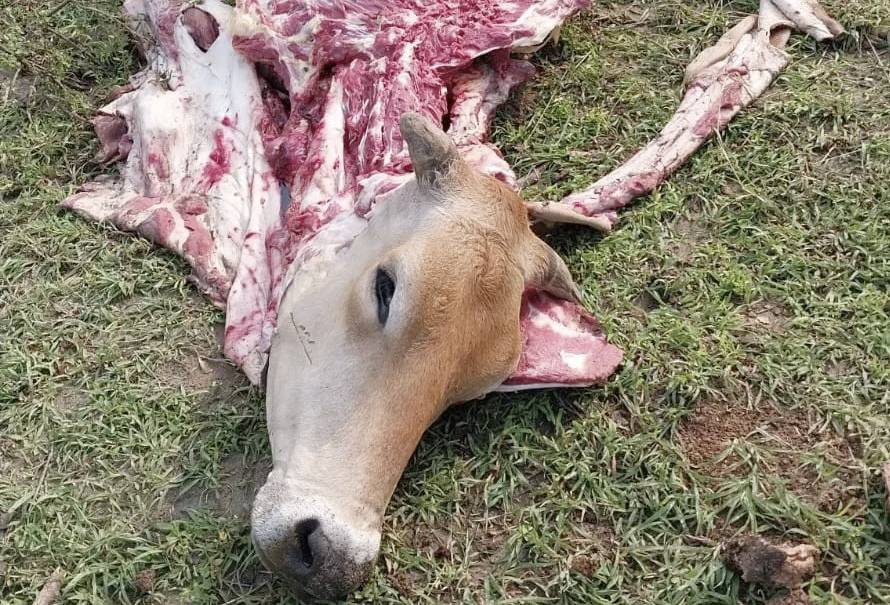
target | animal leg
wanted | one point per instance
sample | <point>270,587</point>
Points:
<point>720,82</point>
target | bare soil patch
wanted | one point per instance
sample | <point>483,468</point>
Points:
<point>645,302</point>
<point>767,316</point>
<point>593,545</point>
<point>205,371</point>
<point>486,545</point>
<point>16,87</point>
<point>690,234</point>
<point>239,482</point>
<point>791,444</point>
<point>13,468</point>
<point>69,399</point>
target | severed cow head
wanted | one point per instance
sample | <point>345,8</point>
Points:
<point>421,311</point>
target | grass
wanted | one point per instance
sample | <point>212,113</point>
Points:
<point>750,293</point>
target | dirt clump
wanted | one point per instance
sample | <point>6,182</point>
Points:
<point>759,561</point>
<point>49,594</point>
<point>144,581</point>
<point>774,566</point>
<point>584,565</point>
<point>768,316</point>
<point>763,320</point>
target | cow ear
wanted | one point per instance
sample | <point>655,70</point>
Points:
<point>545,270</point>
<point>433,154</point>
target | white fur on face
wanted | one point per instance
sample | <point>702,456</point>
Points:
<point>324,369</point>
<point>348,396</point>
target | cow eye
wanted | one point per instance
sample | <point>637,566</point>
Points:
<point>384,288</point>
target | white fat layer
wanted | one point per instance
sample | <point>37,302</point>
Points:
<point>545,323</point>
<point>328,180</point>
<point>575,361</point>
<point>532,386</point>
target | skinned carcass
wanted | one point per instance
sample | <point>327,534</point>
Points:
<point>256,188</point>
<point>387,266</point>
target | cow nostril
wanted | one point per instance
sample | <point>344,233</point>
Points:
<point>304,555</point>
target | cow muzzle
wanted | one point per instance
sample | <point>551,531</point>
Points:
<point>311,544</point>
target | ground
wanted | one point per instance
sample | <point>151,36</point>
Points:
<point>750,293</point>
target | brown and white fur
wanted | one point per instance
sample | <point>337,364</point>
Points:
<point>459,252</point>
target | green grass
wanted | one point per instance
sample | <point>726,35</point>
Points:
<point>750,293</point>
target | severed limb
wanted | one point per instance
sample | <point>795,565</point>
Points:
<point>720,82</point>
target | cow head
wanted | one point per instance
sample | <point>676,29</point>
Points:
<point>421,311</point>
